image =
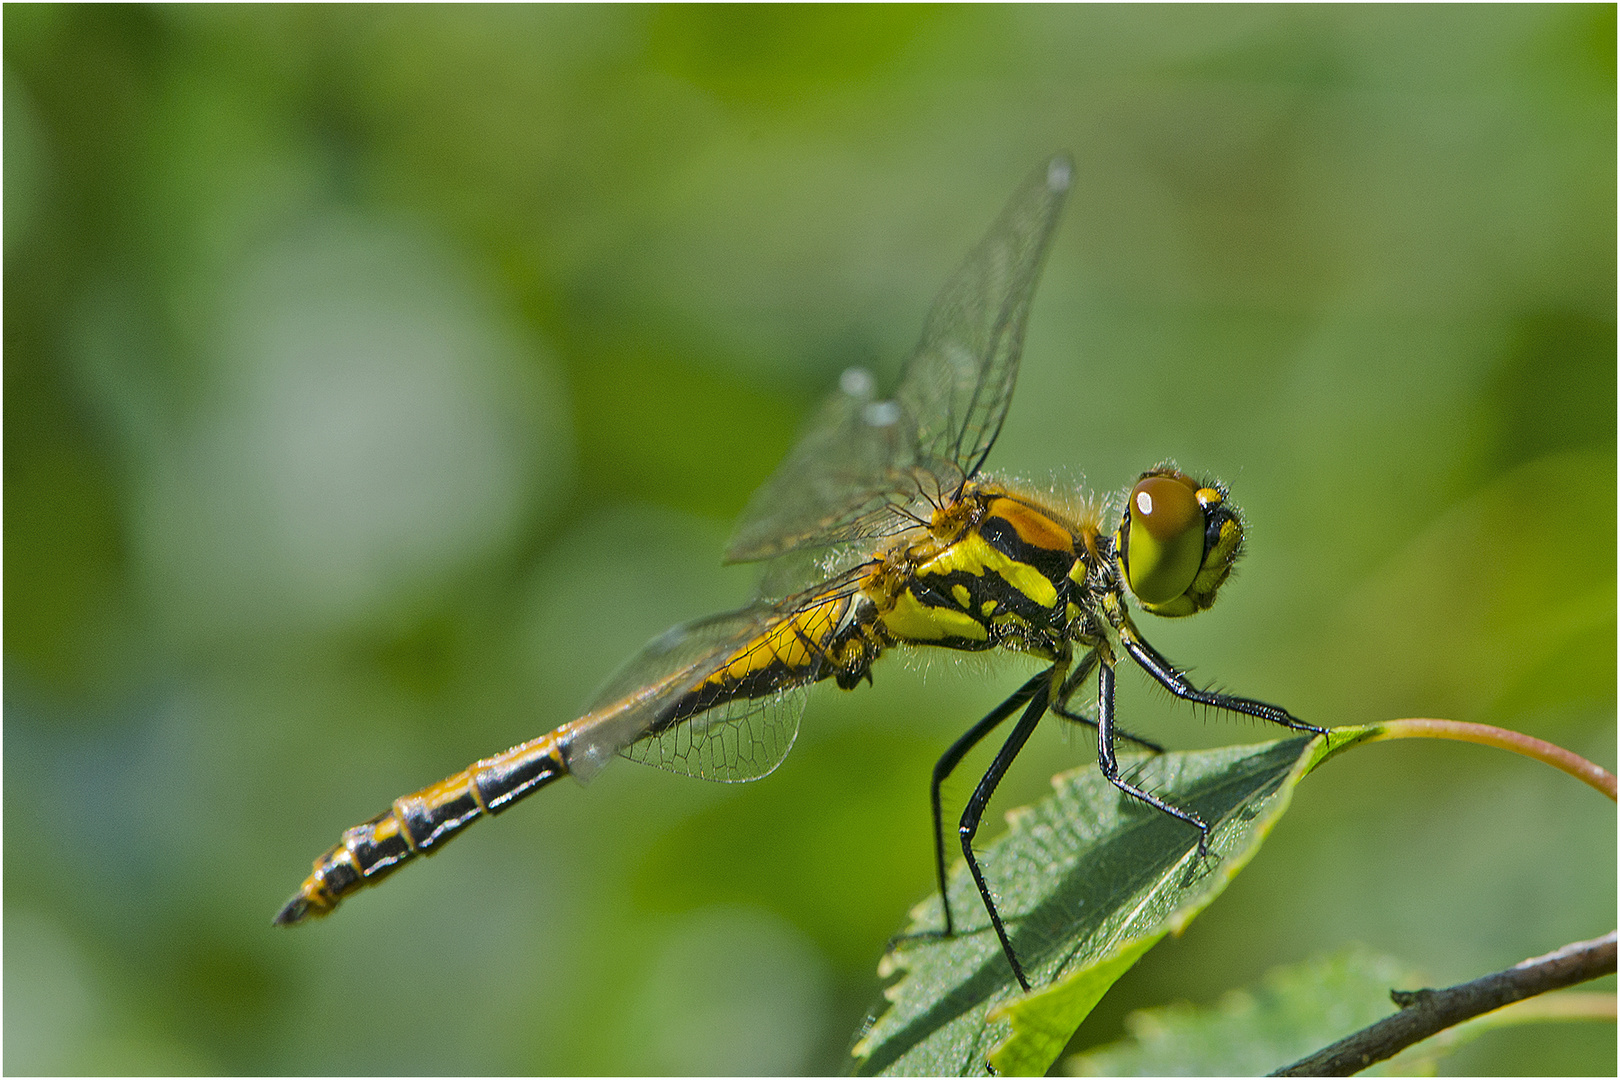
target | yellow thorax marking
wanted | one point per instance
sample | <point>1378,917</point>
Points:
<point>972,555</point>
<point>911,620</point>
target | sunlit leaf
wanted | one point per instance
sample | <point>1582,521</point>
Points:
<point>1087,881</point>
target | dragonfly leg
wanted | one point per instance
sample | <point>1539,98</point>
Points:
<point>1060,707</point>
<point>975,811</point>
<point>1165,674</point>
<point>1110,767</point>
<point>1076,718</point>
<point>950,760</point>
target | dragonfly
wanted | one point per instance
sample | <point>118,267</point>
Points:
<point>880,531</point>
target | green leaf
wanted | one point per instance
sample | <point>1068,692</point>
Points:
<point>1292,1012</point>
<point>1087,881</point>
<point>1297,1010</point>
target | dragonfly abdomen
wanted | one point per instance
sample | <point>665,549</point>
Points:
<point>825,638</point>
<point>419,823</point>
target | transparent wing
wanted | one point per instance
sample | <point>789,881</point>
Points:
<point>958,383</point>
<point>814,568</point>
<point>736,740</point>
<point>854,475</point>
<point>866,468</point>
<point>663,708</point>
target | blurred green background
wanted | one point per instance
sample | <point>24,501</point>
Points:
<point>377,380</point>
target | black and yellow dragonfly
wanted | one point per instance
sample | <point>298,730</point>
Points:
<point>884,533</point>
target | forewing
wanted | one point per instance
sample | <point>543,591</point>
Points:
<point>957,385</point>
<point>852,476</point>
<point>867,468</point>
<point>815,569</point>
<point>736,739</point>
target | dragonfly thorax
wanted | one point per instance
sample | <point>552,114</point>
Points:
<point>994,569</point>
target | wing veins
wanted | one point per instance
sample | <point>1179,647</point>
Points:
<point>863,462</point>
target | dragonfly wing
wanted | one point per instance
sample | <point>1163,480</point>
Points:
<point>719,698</point>
<point>818,569</point>
<point>736,740</point>
<point>957,385</point>
<point>851,476</point>
<point>867,468</point>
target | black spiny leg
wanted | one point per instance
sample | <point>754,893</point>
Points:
<point>1060,707</point>
<point>951,759</point>
<point>1165,674</point>
<point>1110,767</point>
<point>981,798</point>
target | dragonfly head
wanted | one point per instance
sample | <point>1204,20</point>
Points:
<point>1177,541</point>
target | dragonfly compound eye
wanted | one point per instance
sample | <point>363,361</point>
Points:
<point>1166,541</point>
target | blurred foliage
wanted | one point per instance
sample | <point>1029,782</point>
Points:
<point>1301,1008</point>
<point>378,378</point>
<point>1254,1031</point>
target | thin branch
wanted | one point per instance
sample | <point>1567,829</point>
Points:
<point>1425,1012</point>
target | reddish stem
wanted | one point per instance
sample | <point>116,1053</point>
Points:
<point>1556,756</point>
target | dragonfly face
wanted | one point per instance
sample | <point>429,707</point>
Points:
<point>882,533</point>
<point>1177,541</point>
